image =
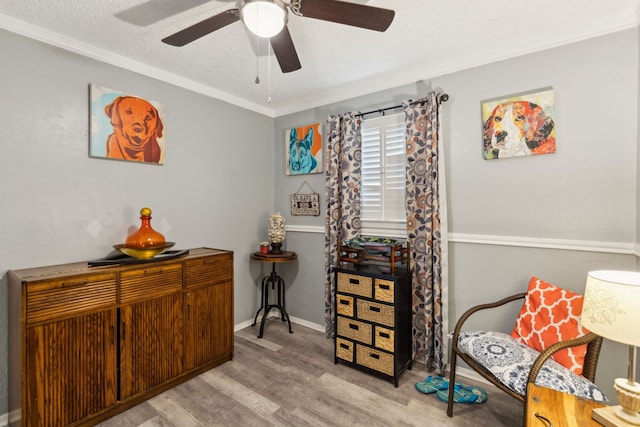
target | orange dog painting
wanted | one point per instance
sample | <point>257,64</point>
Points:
<point>126,127</point>
<point>519,126</point>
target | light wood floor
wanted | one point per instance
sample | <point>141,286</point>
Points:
<point>291,380</point>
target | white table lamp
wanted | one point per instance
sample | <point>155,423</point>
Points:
<point>611,309</point>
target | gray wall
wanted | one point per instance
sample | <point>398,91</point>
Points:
<point>555,216</point>
<point>59,205</point>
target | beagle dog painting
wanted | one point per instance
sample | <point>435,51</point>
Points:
<point>518,128</point>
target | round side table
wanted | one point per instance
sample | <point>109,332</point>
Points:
<point>274,280</point>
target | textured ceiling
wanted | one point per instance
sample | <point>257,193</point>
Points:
<point>427,38</point>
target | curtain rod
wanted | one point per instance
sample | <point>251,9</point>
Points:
<point>443,97</point>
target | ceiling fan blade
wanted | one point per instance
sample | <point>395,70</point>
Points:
<point>203,28</point>
<point>285,51</point>
<point>357,15</point>
<point>153,11</point>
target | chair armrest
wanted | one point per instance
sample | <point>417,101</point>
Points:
<point>472,310</point>
<point>589,370</point>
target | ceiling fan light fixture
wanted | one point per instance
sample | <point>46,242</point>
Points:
<point>264,18</point>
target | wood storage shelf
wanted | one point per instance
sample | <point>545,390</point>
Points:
<point>386,257</point>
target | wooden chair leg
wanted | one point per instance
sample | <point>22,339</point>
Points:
<point>452,383</point>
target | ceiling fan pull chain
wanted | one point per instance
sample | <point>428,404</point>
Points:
<point>269,74</point>
<point>257,63</point>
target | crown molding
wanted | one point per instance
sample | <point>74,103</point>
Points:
<point>58,40</point>
<point>383,82</point>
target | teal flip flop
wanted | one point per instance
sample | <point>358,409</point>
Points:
<point>481,394</point>
<point>461,394</point>
<point>432,384</point>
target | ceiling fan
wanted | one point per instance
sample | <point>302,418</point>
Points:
<point>268,19</point>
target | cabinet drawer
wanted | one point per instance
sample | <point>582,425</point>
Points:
<point>355,330</point>
<point>144,283</point>
<point>375,312</point>
<point>62,297</point>
<point>383,338</point>
<point>374,359</point>
<point>345,305</point>
<point>384,290</point>
<point>344,349</point>
<point>206,270</point>
<point>354,284</point>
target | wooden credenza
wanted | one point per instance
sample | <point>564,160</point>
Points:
<point>373,321</point>
<point>88,342</point>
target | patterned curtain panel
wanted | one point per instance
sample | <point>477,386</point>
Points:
<point>425,233</point>
<point>342,198</point>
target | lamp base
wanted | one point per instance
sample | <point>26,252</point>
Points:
<point>607,417</point>
<point>628,394</point>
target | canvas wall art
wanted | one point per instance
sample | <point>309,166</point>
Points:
<point>125,127</point>
<point>522,125</point>
<point>303,150</point>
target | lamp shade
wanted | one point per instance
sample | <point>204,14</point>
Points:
<point>611,306</point>
<point>264,18</point>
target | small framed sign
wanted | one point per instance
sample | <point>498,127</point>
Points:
<point>305,204</point>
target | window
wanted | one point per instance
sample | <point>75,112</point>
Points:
<point>382,194</point>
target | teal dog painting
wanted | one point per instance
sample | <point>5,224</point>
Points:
<point>303,150</point>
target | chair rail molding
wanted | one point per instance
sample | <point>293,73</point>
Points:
<point>624,248</point>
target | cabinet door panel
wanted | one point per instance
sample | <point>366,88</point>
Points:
<point>71,369</point>
<point>209,333</point>
<point>151,343</point>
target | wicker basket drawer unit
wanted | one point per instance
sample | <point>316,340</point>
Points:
<point>373,324</point>
<point>355,330</point>
<point>374,359</point>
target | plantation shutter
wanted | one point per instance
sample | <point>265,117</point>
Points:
<point>383,169</point>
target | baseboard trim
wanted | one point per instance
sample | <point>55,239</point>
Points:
<point>4,420</point>
<point>295,320</point>
<point>470,374</point>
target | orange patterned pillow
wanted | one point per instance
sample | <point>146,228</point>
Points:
<point>551,314</point>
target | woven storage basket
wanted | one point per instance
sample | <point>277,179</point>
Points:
<point>344,349</point>
<point>383,338</point>
<point>344,305</point>
<point>383,290</point>
<point>353,284</point>
<point>376,312</point>
<point>355,330</point>
<point>374,359</point>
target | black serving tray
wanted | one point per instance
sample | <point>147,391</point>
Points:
<point>117,257</point>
